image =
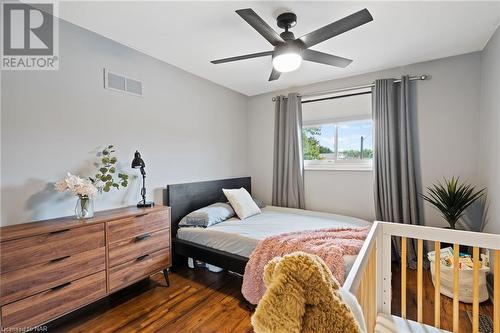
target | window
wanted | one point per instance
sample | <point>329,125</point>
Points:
<point>337,133</point>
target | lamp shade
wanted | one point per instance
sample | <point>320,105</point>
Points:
<point>287,62</point>
<point>137,162</point>
<point>287,57</point>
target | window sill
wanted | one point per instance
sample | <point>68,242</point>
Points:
<point>351,167</point>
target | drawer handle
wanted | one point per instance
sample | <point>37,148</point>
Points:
<point>142,257</point>
<point>141,215</point>
<point>59,231</point>
<point>59,259</point>
<point>61,286</point>
<point>142,237</point>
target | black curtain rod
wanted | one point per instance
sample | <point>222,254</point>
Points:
<point>335,97</point>
<point>364,86</point>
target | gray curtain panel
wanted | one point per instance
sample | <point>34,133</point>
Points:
<point>288,168</point>
<point>394,164</point>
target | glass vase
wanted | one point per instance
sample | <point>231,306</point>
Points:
<point>84,208</point>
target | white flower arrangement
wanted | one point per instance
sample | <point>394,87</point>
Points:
<point>87,188</point>
<point>81,187</point>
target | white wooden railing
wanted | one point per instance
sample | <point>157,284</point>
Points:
<point>370,277</point>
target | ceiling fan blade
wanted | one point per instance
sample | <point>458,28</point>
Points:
<point>325,58</point>
<point>337,28</point>
<point>243,57</point>
<point>274,75</point>
<point>260,25</point>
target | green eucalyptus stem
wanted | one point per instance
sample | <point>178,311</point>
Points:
<point>107,177</point>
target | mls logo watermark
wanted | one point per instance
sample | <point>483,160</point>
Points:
<point>30,36</point>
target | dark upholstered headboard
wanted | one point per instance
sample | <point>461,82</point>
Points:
<point>185,198</point>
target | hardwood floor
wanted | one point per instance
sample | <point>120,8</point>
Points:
<point>200,301</point>
<point>196,301</point>
<point>428,302</point>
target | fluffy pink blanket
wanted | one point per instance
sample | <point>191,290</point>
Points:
<point>329,244</point>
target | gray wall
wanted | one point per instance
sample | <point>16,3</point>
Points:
<point>490,126</point>
<point>446,122</point>
<point>190,129</point>
<point>187,128</point>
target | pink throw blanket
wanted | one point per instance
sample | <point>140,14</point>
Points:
<point>329,244</point>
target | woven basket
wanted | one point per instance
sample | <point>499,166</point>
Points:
<point>465,281</point>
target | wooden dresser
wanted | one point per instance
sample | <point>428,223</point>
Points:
<point>49,268</point>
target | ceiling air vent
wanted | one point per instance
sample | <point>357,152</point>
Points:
<point>122,83</point>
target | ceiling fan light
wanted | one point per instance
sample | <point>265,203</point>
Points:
<point>287,62</point>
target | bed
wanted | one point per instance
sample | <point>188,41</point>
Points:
<point>240,237</point>
<point>229,244</point>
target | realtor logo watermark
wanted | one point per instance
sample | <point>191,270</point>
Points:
<point>30,36</point>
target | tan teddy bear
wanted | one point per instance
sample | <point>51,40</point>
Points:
<point>302,296</point>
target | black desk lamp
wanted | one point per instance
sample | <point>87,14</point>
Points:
<point>137,163</point>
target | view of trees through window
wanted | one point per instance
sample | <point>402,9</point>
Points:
<point>355,141</point>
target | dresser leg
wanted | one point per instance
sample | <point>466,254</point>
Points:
<point>165,274</point>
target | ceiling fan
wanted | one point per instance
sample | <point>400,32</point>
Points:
<point>289,51</point>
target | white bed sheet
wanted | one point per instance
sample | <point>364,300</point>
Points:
<point>241,236</point>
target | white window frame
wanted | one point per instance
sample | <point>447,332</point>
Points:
<point>338,165</point>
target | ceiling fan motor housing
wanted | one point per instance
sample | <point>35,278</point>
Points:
<point>291,46</point>
<point>287,35</point>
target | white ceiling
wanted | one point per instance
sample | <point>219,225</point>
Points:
<point>190,34</point>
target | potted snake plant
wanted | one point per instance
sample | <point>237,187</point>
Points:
<point>452,199</point>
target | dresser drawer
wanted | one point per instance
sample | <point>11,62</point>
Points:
<point>131,271</point>
<point>137,225</point>
<point>28,281</point>
<point>47,305</point>
<point>129,249</point>
<point>34,250</point>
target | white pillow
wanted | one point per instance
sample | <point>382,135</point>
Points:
<point>242,202</point>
